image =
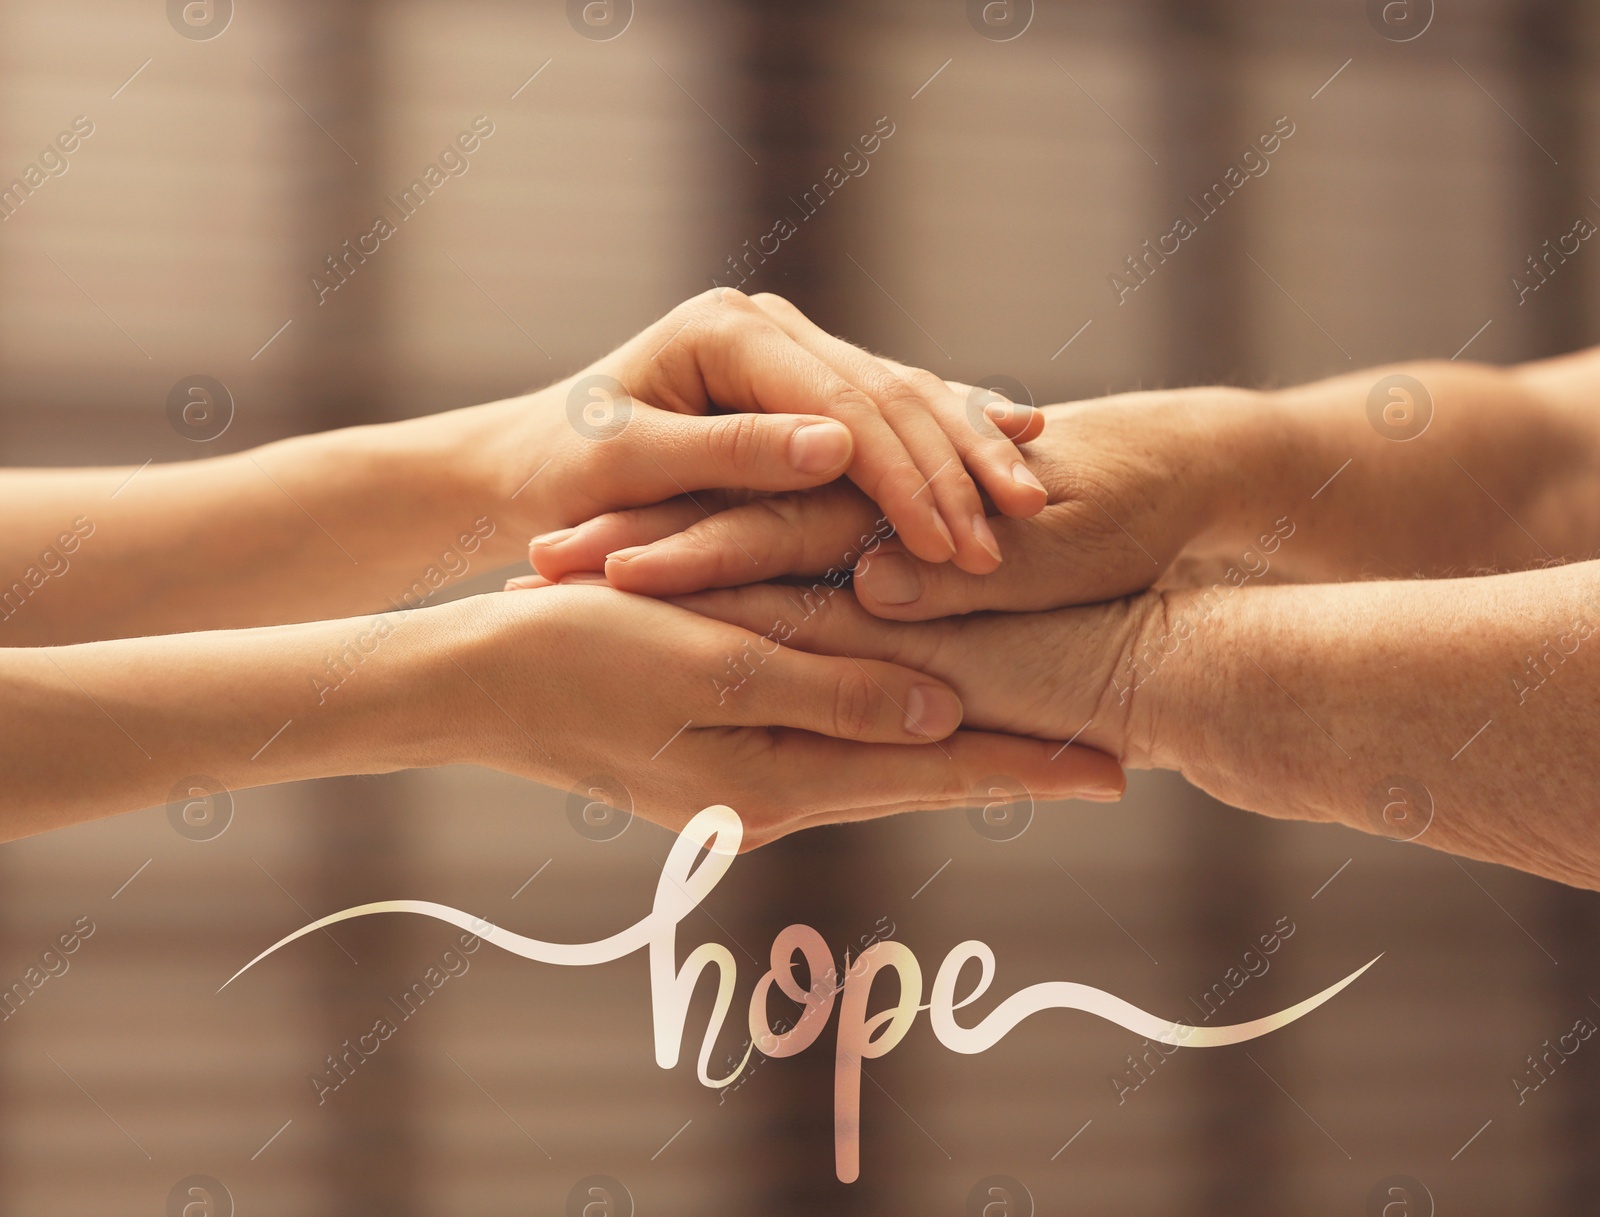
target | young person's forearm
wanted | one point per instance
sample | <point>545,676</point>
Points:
<point>311,527</point>
<point>101,728</point>
<point>1322,702</point>
<point>1504,476</point>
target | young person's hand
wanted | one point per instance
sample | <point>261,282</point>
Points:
<point>734,391</point>
<point>563,683</point>
<point>576,687</point>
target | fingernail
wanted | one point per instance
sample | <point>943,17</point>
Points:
<point>584,576</point>
<point>944,531</point>
<point>1101,794</point>
<point>626,555</point>
<point>553,538</point>
<point>932,711</point>
<point>894,579</point>
<point>1023,476</point>
<point>819,447</point>
<point>984,536</point>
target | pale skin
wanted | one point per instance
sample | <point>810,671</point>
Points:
<point>1445,643</point>
<point>259,618</point>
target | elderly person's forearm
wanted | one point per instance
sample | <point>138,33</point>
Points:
<point>1340,703</point>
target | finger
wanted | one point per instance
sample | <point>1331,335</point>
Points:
<point>850,699</point>
<point>1018,421</point>
<point>986,427</point>
<point>820,532</point>
<point>586,546</point>
<point>927,416</point>
<point>526,583</point>
<point>831,782</point>
<point>658,454</point>
<point>818,619</point>
<point>744,361</point>
<point>895,585</point>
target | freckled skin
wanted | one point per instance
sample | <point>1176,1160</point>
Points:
<point>1300,609</point>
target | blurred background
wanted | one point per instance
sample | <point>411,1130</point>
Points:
<point>633,157</point>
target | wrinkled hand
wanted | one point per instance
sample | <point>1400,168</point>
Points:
<point>565,683</point>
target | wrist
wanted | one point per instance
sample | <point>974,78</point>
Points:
<point>1253,456</point>
<point>445,697</point>
<point>1139,714</point>
<point>480,655</point>
<point>494,461</point>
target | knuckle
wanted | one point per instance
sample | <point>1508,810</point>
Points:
<point>737,439</point>
<point>733,299</point>
<point>898,392</point>
<point>926,383</point>
<point>896,486</point>
<point>719,299</point>
<point>852,705</point>
<point>771,302</point>
<point>777,527</point>
<point>729,326</point>
<point>958,483</point>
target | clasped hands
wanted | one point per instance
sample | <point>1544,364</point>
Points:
<point>714,643</point>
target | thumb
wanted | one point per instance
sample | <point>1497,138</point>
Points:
<point>659,454</point>
<point>867,700</point>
